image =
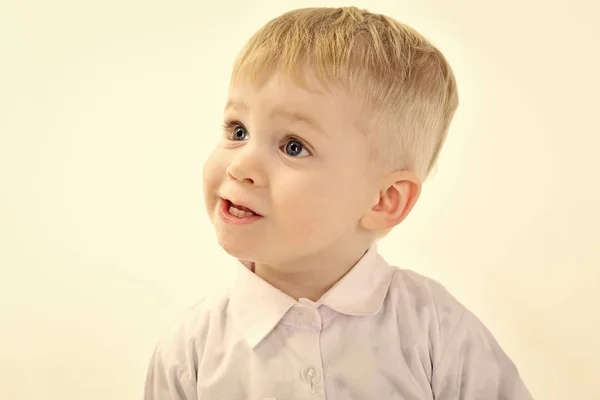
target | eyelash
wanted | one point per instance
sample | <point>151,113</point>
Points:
<point>230,124</point>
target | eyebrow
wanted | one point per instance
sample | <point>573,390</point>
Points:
<point>235,104</point>
<point>290,115</point>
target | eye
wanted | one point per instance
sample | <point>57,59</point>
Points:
<point>238,133</point>
<point>295,148</point>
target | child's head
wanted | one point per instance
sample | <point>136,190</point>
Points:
<point>334,117</point>
<point>408,89</point>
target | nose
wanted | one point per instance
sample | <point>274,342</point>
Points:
<point>247,166</point>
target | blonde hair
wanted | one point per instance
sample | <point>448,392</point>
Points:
<point>409,89</point>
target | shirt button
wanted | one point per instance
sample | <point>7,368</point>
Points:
<point>311,376</point>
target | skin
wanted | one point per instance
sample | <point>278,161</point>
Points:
<point>296,157</point>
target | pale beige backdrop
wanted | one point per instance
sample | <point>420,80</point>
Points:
<point>109,108</point>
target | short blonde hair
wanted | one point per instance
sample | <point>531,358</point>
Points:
<point>409,88</point>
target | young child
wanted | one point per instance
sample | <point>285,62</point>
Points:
<point>334,118</point>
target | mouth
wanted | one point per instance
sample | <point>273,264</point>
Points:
<point>239,210</point>
<point>237,213</point>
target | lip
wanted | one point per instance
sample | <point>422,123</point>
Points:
<point>232,219</point>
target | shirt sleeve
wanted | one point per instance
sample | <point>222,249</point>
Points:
<point>171,374</point>
<point>167,380</point>
<point>472,366</point>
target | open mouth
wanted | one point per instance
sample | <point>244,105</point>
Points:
<point>239,211</point>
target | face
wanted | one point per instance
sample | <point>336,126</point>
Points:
<point>296,159</point>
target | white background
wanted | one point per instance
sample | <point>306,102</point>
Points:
<point>108,110</point>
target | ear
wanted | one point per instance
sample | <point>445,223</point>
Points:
<point>394,201</point>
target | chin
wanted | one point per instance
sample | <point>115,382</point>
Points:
<point>237,247</point>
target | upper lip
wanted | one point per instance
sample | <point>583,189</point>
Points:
<point>241,203</point>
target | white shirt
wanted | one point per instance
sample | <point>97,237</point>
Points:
<point>380,333</point>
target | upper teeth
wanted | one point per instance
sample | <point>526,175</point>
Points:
<point>239,213</point>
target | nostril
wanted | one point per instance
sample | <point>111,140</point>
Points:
<point>239,177</point>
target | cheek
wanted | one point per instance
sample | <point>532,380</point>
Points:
<point>213,173</point>
<point>213,170</point>
<point>308,203</point>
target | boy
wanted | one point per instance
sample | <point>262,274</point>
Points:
<point>334,118</point>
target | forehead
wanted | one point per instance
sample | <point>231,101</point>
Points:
<point>299,96</point>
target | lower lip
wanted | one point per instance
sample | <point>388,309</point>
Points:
<point>232,219</point>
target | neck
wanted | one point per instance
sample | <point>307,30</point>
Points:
<point>312,276</point>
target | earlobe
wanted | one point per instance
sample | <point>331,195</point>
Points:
<point>396,199</point>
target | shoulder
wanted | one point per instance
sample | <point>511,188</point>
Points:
<point>183,343</point>
<point>427,307</point>
<point>172,369</point>
<point>465,356</point>
<point>422,294</point>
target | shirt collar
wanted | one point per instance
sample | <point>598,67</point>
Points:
<point>257,306</point>
<point>362,290</point>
